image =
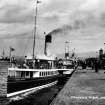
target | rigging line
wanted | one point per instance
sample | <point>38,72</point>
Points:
<point>26,46</point>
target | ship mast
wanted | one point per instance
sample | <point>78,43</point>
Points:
<point>35,26</point>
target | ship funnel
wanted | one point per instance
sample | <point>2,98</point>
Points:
<point>48,39</point>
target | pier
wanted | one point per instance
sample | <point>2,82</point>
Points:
<point>3,82</point>
<point>3,78</point>
<point>85,87</point>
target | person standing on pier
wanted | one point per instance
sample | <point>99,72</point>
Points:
<point>96,66</point>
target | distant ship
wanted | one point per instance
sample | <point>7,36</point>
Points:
<point>68,64</point>
<point>66,68</point>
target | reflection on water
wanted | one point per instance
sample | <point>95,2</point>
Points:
<point>3,101</point>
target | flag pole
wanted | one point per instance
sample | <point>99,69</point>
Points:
<point>10,56</point>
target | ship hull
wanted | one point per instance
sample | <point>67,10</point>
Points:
<point>66,72</point>
<point>20,85</point>
<point>64,75</point>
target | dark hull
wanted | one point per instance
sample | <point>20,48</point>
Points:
<point>62,74</point>
<point>64,77</point>
<point>19,85</point>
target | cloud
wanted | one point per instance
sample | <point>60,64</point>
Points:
<point>14,29</point>
<point>69,19</point>
<point>90,5</point>
<point>16,11</point>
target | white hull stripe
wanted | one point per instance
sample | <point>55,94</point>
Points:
<point>32,89</point>
<point>65,69</point>
<point>18,69</point>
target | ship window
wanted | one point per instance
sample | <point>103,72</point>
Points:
<point>18,74</point>
<point>22,74</point>
<point>31,74</point>
<point>27,73</point>
<point>40,74</point>
<point>12,73</point>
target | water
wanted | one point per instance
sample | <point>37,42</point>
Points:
<point>42,97</point>
<point>3,101</point>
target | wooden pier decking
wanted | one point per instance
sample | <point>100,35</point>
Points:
<point>85,87</point>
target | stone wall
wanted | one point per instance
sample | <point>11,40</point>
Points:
<point>3,78</point>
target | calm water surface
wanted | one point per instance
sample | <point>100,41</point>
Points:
<point>42,97</point>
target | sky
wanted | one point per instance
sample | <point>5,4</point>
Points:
<point>81,22</point>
